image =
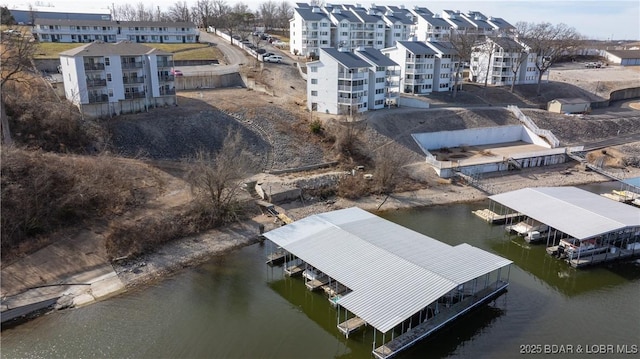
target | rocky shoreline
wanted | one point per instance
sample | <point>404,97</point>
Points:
<point>196,250</point>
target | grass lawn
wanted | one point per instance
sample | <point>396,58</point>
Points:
<point>50,50</point>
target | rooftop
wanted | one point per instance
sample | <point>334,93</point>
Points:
<point>576,212</point>
<point>98,48</point>
<point>393,272</point>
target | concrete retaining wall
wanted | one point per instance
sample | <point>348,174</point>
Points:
<point>412,102</point>
<point>208,81</point>
<point>535,161</point>
<point>470,137</point>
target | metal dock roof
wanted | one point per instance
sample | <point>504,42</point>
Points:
<point>576,212</point>
<point>393,272</point>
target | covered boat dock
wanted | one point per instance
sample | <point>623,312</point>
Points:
<point>582,227</point>
<point>402,284</point>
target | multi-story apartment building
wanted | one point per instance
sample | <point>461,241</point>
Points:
<point>353,26</point>
<point>25,14</point>
<point>309,30</point>
<point>104,79</point>
<point>62,30</point>
<point>430,26</point>
<point>479,22</point>
<point>446,65</point>
<point>400,25</point>
<point>417,63</point>
<point>384,78</point>
<point>338,83</point>
<point>502,61</point>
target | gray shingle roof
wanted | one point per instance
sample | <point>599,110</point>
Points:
<point>67,22</point>
<point>347,59</point>
<point>121,48</point>
<point>376,57</point>
<point>307,14</point>
<point>418,48</point>
<point>500,23</point>
<point>507,43</point>
<point>443,47</point>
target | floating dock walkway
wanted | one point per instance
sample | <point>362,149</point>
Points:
<point>494,218</point>
<point>351,325</point>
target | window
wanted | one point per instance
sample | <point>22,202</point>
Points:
<point>95,28</point>
<point>379,80</point>
<point>109,77</point>
<point>324,24</point>
<point>314,93</point>
<point>344,25</point>
<point>343,34</point>
<point>379,102</point>
<point>107,62</point>
<point>110,92</point>
<point>314,81</point>
<point>314,69</point>
<point>379,91</point>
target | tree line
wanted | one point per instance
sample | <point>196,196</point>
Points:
<point>216,13</point>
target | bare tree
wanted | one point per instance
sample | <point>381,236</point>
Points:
<point>124,12</point>
<point>202,13</point>
<point>219,11</point>
<point>284,13</point>
<point>217,179</point>
<point>388,167</point>
<point>268,12</point>
<point>16,57</point>
<point>515,66</point>
<point>143,13</point>
<point>179,12</point>
<point>464,43</point>
<point>549,42</point>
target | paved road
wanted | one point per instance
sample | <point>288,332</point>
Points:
<point>232,54</point>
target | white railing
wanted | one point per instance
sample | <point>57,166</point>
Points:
<point>553,140</point>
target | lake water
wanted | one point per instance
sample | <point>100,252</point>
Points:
<point>238,307</point>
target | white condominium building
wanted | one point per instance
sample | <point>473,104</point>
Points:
<point>62,30</point>
<point>105,79</point>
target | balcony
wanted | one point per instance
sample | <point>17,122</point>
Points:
<point>100,98</point>
<point>349,101</point>
<point>96,83</point>
<point>347,88</point>
<point>132,95</point>
<point>132,80</point>
<point>392,83</point>
<point>351,75</point>
<point>393,73</point>
<point>164,64</point>
<point>167,78</point>
<point>167,92</point>
<point>132,65</point>
<point>94,67</point>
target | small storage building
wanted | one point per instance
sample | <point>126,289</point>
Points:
<point>623,57</point>
<point>569,105</point>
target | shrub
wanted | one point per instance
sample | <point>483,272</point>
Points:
<point>316,127</point>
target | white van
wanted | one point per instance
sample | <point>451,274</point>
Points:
<point>273,58</point>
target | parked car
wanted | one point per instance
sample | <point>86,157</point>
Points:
<point>267,54</point>
<point>12,32</point>
<point>272,58</point>
<point>176,72</point>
